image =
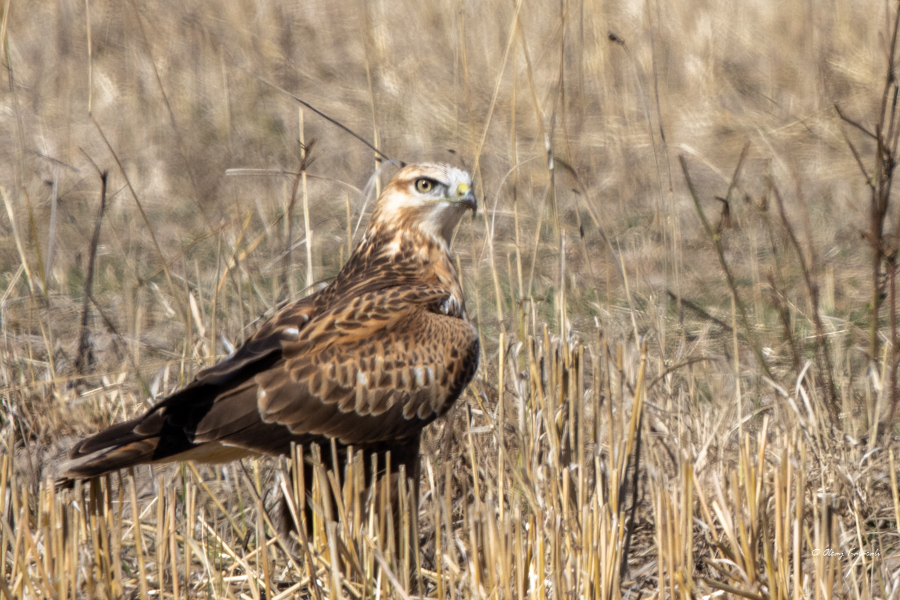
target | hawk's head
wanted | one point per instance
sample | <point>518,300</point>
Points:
<point>430,197</point>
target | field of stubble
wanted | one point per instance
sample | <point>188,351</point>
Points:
<point>682,277</point>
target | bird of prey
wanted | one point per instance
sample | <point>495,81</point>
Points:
<point>368,361</point>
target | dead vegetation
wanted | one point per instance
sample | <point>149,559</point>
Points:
<point>683,277</point>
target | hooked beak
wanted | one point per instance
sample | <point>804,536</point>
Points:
<point>466,198</point>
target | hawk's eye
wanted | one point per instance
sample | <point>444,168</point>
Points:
<point>424,185</point>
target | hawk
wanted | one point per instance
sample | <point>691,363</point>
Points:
<point>368,361</point>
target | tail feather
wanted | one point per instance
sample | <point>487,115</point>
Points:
<point>120,446</point>
<point>111,437</point>
<point>111,459</point>
<point>149,439</point>
<point>117,447</point>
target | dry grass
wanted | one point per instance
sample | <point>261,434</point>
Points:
<point>679,395</point>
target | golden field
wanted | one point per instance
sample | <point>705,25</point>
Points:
<point>682,276</point>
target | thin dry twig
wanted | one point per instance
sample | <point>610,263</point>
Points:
<point>717,243</point>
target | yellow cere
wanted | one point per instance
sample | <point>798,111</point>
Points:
<point>462,189</point>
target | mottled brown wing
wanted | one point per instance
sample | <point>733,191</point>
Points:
<point>226,391</point>
<point>265,342</point>
<point>375,368</point>
<point>380,367</point>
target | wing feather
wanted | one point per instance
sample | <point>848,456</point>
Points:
<point>375,379</point>
<point>370,370</point>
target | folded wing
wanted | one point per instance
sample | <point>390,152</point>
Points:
<point>372,369</point>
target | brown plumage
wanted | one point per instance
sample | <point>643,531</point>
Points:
<point>368,361</point>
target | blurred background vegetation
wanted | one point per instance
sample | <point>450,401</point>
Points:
<point>169,98</point>
<point>580,120</point>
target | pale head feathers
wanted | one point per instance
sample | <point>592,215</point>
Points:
<point>429,197</point>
